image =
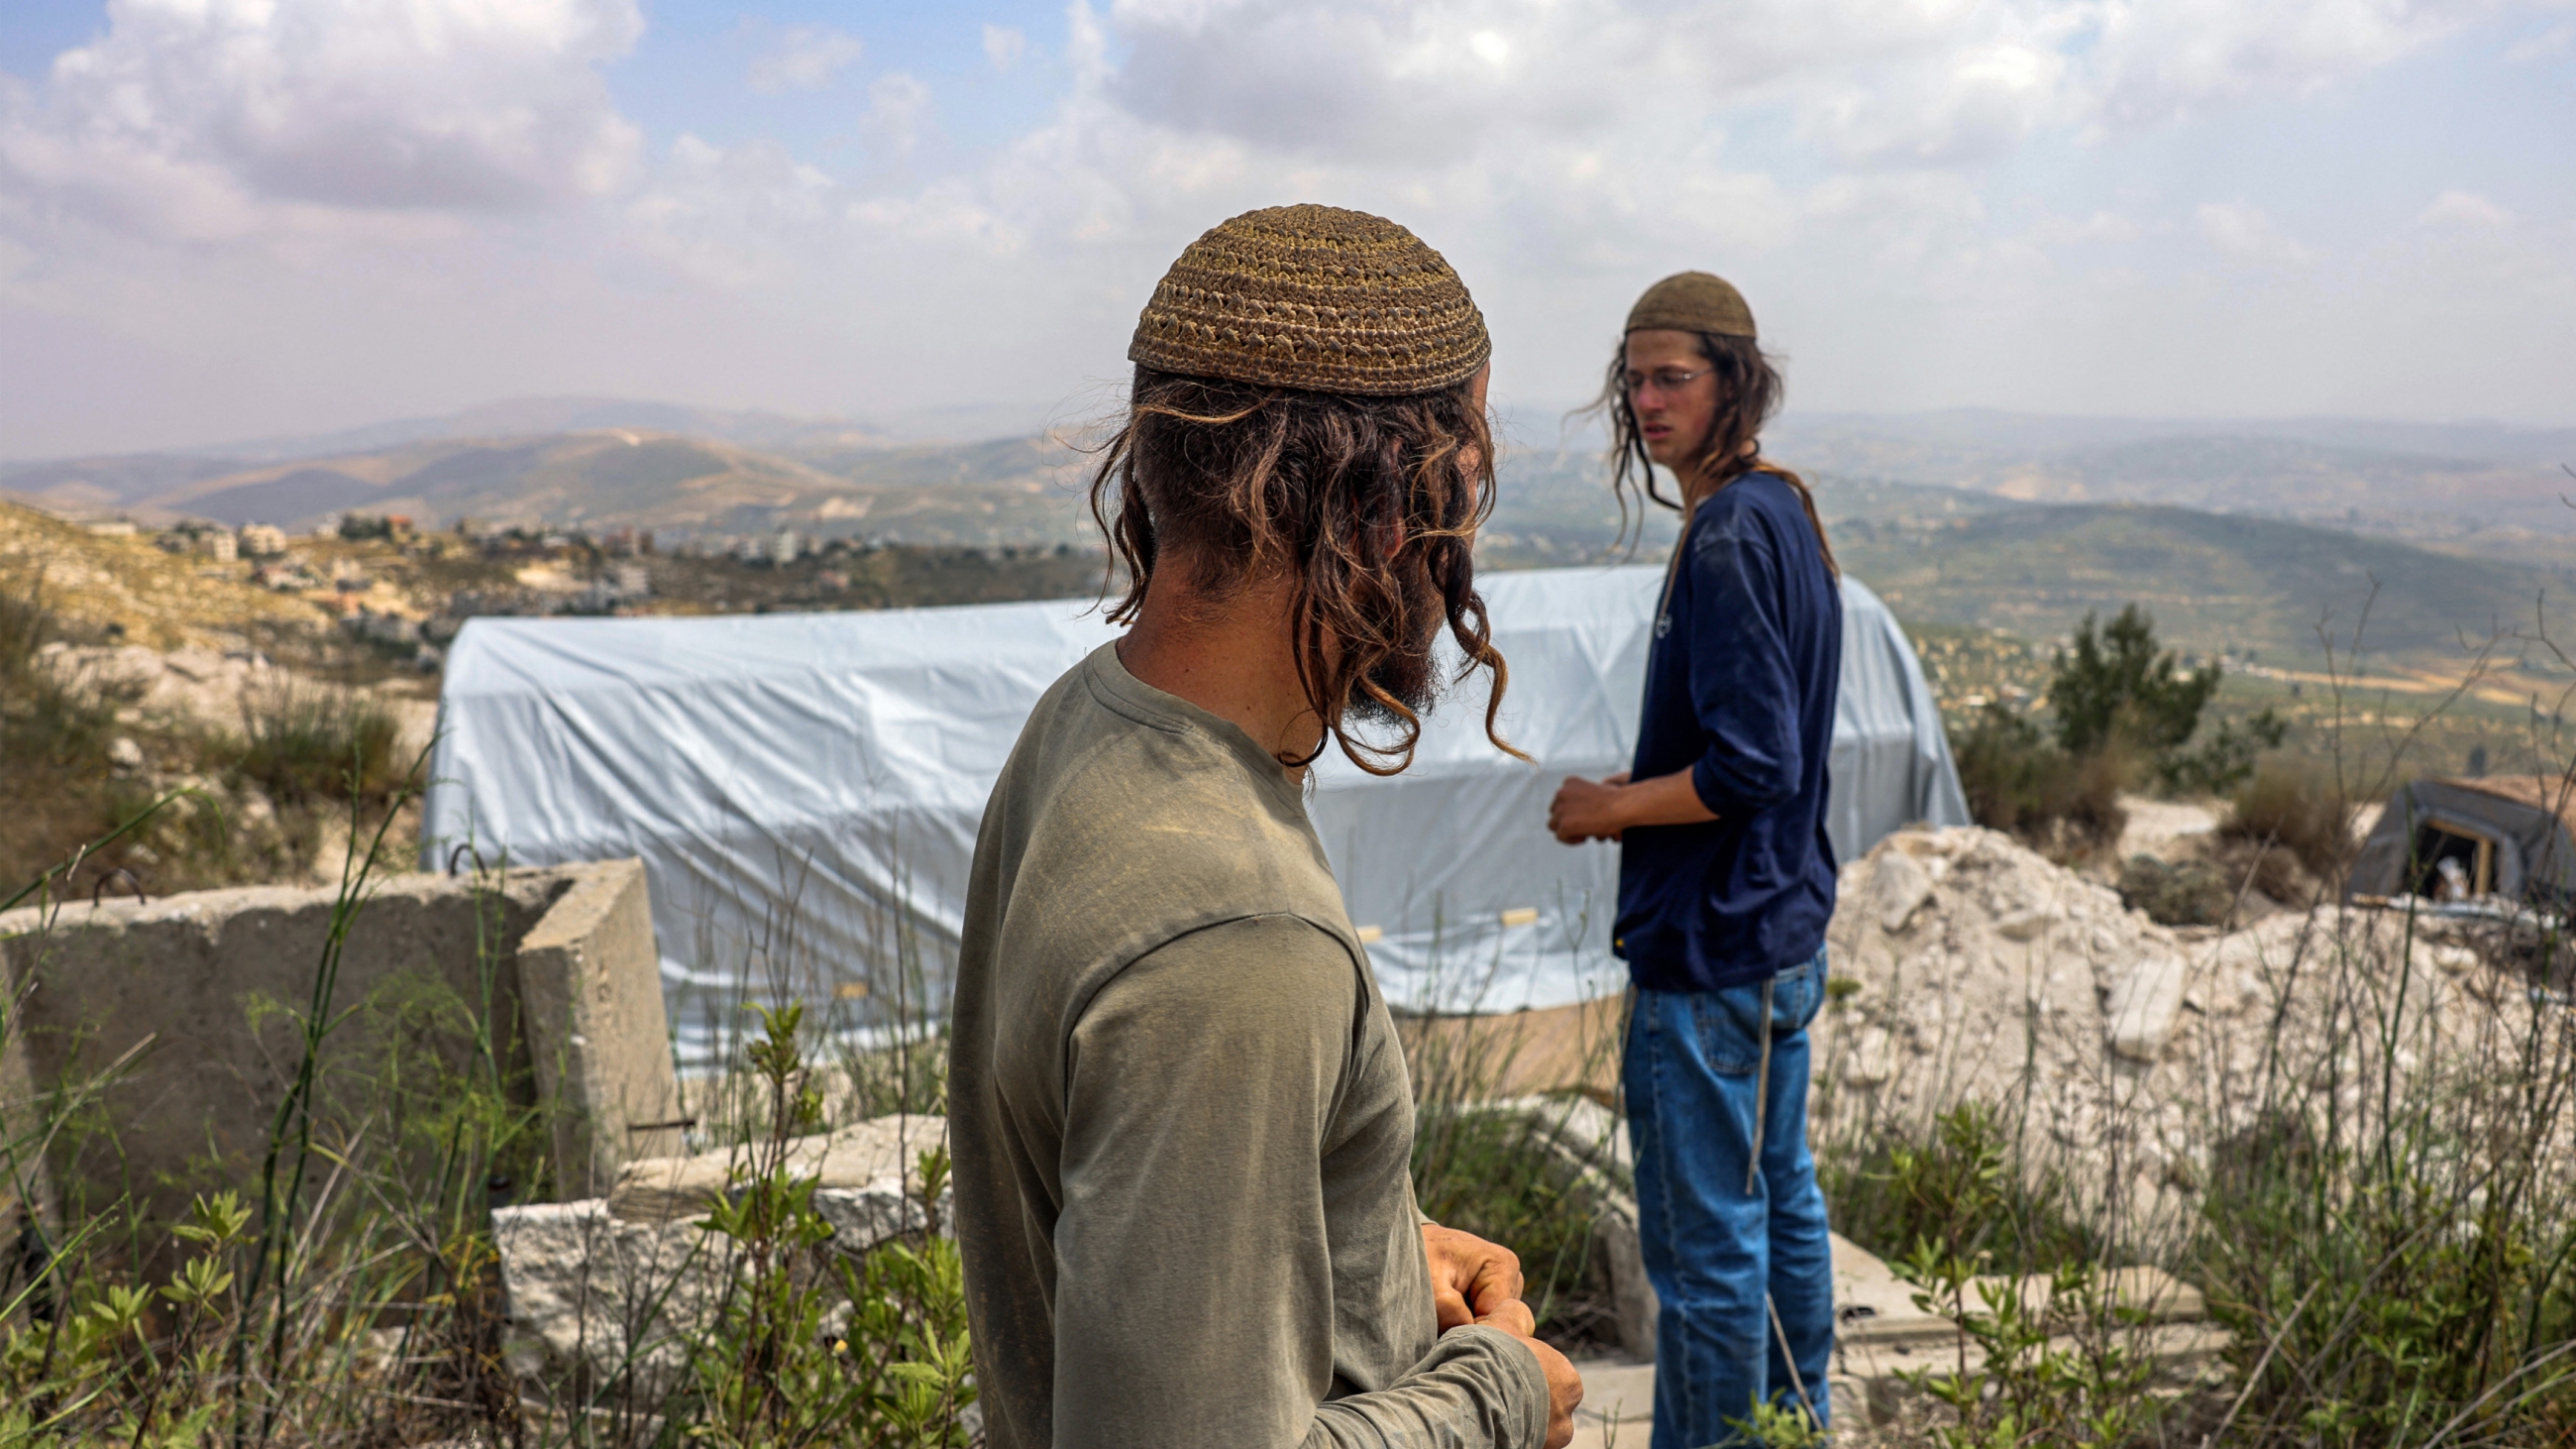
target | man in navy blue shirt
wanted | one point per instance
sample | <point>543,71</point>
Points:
<point>1726,879</point>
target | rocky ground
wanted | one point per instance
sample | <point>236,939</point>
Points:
<point>2124,1053</point>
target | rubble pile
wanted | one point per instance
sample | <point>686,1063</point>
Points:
<point>1971,968</point>
<point>631,1278</point>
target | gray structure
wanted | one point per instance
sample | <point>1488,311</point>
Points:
<point>2501,835</point>
<point>150,1044</point>
<point>805,789</point>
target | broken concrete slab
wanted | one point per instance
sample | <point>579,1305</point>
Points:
<point>878,1154</point>
<point>625,1281</point>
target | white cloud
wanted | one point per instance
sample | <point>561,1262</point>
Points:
<point>806,58</point>
<point>1975,103</point>
<point>210,118</point>
<point>2556,40</point>
<point>1004,44</point>
<point>2244,234</point>
<point>2101,226</point>
<point>1929,201</point>
<point>897,105</point>
<point>2464,208</point>
<point>2175,57</point>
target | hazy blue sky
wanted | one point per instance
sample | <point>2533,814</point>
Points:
<point>230,217</point>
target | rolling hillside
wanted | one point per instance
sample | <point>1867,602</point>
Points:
<point>2213,581</point>
<point>1972,555</point>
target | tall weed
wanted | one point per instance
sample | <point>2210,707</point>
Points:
<point>303,742</point>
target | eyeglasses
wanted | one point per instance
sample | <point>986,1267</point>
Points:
<point>1668,381</point>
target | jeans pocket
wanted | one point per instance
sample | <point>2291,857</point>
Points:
<point>1800,995</point>
<point>1731,1028</point>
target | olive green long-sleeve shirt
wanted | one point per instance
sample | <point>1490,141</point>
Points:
<point>1180,1115</point>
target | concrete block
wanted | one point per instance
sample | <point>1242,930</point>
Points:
<point>590,983</point>
<point>1614,1236</point>
<point>163,1035</point>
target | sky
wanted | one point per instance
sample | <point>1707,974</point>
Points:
<point>235,218</point>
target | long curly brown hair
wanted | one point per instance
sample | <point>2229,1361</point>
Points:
<point>1369,504</point>
<point>1749,391</point>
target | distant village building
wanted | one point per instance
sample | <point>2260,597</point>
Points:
<point>787,546</point>
<point>262,540</point>
<point>219,546</point>
<point>633,582</point>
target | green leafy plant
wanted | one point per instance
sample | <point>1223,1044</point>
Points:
<point>779,1367</point>
<point>2055,1366</point>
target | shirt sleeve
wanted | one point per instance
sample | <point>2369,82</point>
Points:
<point>1741,685</point>
<point>1195,1289</point>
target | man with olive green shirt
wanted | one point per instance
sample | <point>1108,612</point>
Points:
<point>1181,1117</point>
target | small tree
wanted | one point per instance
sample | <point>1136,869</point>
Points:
<point>2116,689</point>
<point>2117,685</point>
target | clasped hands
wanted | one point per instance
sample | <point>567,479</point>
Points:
<point>1477,1282</point>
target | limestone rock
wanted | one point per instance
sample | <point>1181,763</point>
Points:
<point>2024,925</point>
<point>583,1284</point>
<point>1900,886</point>
<point>874,1156</point>
<point>2143,1006</point>
<point>587,1280</point>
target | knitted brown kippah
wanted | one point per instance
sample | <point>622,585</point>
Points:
<point>1693,302</point>
<point>1314,298</point>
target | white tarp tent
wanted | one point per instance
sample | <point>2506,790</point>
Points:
<point>804,789</point>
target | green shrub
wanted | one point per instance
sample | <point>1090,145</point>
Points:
<point>1959,1186</point>
<point>2017,779</point>
<point>2184,893</point>
<point>2294,807</point>
<point>303,742</point>
<point>2224,759</point>
<point>2123,714</point>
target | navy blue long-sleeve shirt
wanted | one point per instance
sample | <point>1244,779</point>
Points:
<point>1740,686</point>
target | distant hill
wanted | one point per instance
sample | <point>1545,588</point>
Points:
<point>2213,581</point>
<point>525,417</point>
<point>2468,488</point>
<point>594,479</point>
<point>2022,524</point>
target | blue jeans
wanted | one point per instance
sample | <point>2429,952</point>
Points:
<point>1718,1234</point>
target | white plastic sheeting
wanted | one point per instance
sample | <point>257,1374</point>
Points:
<point>804,789</point>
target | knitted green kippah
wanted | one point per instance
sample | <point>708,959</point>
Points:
<point>1315,298</point>
<point>1693,302</point>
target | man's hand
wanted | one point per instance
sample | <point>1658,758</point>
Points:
<point>1564,1391</point>
<point>1586,810</point>
<point>1471,1279</point>
<point>1474,1281</point>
